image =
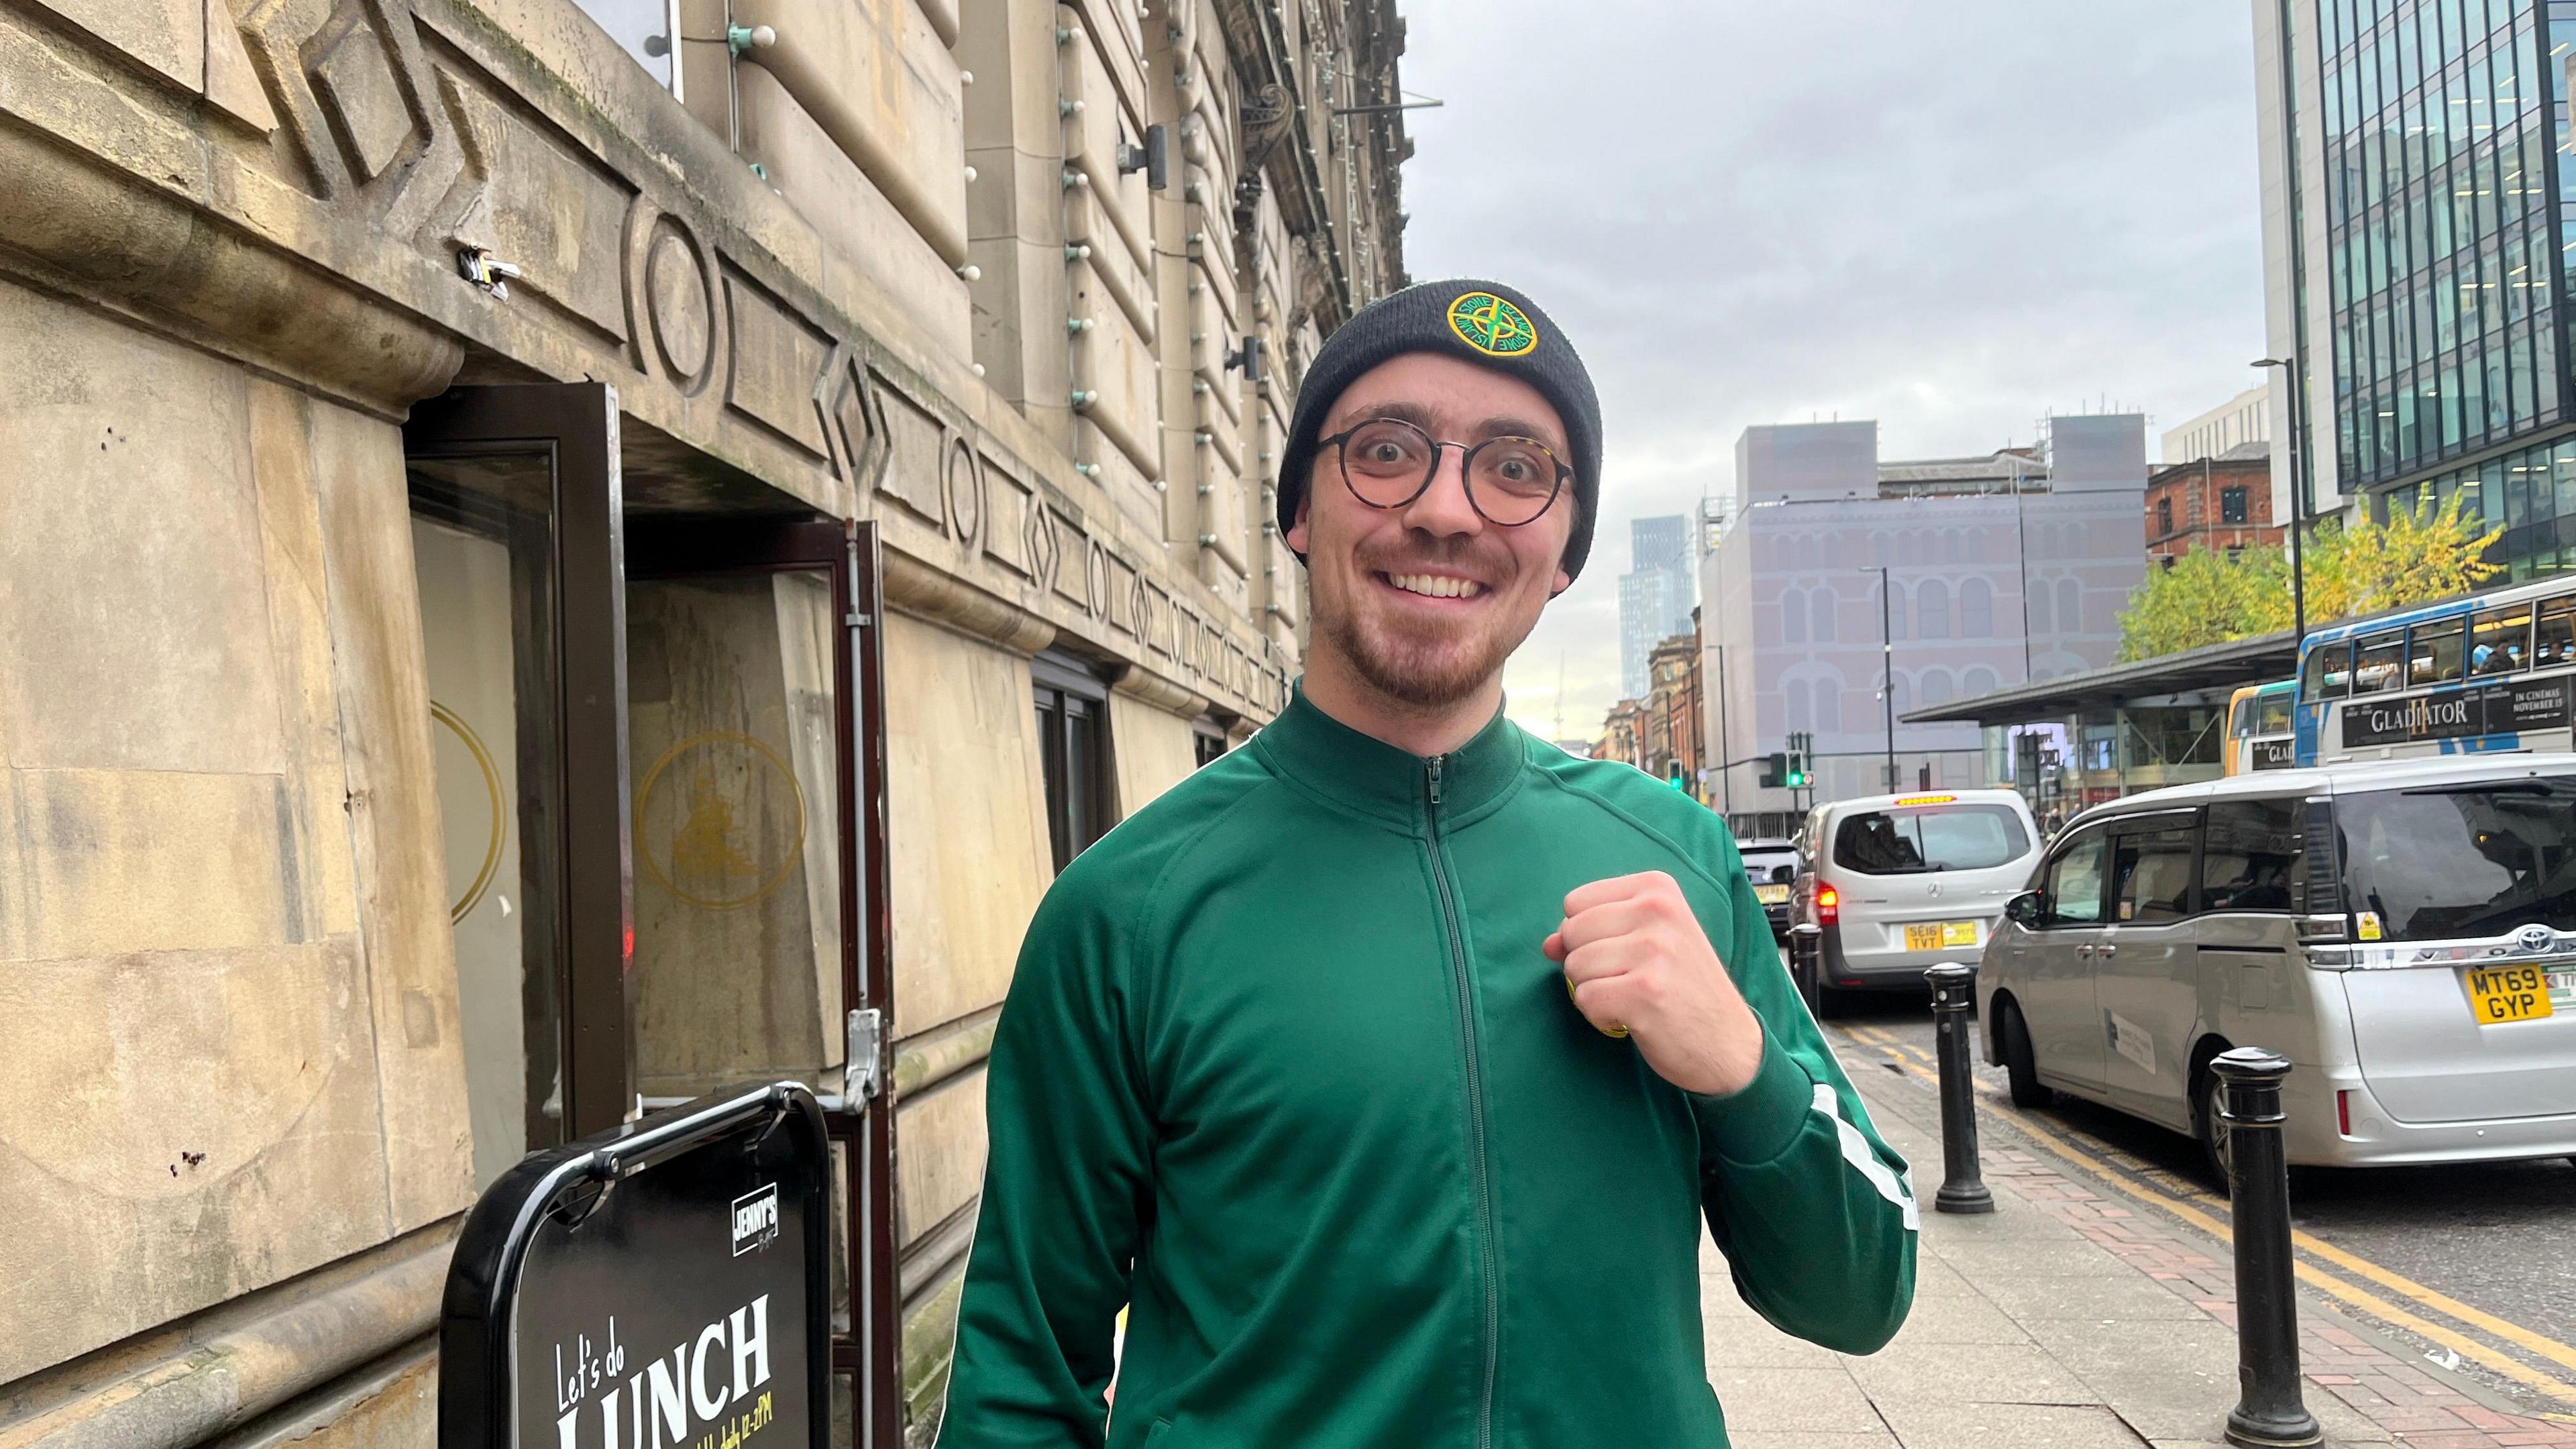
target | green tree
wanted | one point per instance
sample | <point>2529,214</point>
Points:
<point>2206,598</point>
<point>2421,553</point>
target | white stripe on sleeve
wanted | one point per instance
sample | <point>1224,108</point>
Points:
<point>1865,1162</point>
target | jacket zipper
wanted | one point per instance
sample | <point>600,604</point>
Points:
<point>1475,1107</point>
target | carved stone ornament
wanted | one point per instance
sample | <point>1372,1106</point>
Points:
<point>681,303</point>
<point>858,427</point>
<point>1095,580</point>
<point>965,489</point>
<point>1042,548</point>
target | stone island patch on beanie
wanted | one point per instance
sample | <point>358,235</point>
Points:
<point>1485,323</point>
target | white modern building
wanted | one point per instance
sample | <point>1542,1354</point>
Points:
<point>1996,569</point>
<point>2244,418</point>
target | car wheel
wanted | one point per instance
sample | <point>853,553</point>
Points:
<point>2019,1069</point>
<point>2212,1130</point>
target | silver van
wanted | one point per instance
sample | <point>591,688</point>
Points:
<point>2404,932</point>
<point>1896,883</point>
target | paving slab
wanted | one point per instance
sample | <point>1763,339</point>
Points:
<point>2010,1426</point>
<point>1806,1400</point>
<point>1795,1439</point>
<point>2131,1297</point>
<point>1996,1373</point>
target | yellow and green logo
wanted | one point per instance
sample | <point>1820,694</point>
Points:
<point>1491,325</point>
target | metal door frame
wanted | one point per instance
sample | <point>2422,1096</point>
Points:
<point>576,426</point>
<point>861,1116</point>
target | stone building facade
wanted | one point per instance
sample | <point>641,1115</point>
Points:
<point>554,556</point>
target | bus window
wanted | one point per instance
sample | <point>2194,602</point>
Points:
<point>2500,641</point>
<point>2435,655</point>
<point>2328,673</point>
<point>2378,661</point>
<point>2272,712</point>
<point>2556,646</point>
<point>2240,715</point>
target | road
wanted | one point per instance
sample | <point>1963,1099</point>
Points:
<point>2473,1261</point>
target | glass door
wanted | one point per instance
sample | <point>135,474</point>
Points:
<point>515,510</point>
<point>761,924</point>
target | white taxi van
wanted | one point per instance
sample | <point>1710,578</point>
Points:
<point>1898,883</point>
<point>2403,931</point>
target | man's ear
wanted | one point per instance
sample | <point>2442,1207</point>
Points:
<point>1564,581</point>
<point>1297,531</point>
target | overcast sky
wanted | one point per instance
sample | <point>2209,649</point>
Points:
<point>1953,218</point>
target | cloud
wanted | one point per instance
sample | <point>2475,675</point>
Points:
<point>1951,218</point>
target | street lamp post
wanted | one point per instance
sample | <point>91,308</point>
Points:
<point>2290,371</point>
<point>1887,672</point>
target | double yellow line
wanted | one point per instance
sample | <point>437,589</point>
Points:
<point>2193,1206</point>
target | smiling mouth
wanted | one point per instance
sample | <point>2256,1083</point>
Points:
<point>1434,586</point>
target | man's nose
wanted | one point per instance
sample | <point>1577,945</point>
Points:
<point>1443,509</point>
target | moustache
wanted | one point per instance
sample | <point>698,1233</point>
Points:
<point>1491,566</point>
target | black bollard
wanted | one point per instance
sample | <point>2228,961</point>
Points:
<point>1807,965</point>
<point>1963,1185</point>
<point>2269,1414</point>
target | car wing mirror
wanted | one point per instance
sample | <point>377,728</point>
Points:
<point>2023,909</point>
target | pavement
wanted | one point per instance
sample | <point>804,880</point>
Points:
<point>2071,1317</point>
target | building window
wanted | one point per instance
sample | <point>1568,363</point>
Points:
<point>1207,742</point>
<point>2231,505</point>
<point>1976,610</point>
<point>1073,748</point>
<point>643,28</point>
<point>1932,609</point>
<point>2164,516</point>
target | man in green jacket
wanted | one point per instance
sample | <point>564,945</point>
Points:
<point>1385,1069</point>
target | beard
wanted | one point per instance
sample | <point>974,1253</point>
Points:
<point>1418,664</point>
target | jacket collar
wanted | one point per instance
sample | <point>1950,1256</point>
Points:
<point>1371,777</point>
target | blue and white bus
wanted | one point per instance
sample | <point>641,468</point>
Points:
<point>2486,672</point>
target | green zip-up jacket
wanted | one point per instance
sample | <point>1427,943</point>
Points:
<point>1285,1072</point>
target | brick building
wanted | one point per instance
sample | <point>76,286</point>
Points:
<point>2223,501</point>
<point>1672,708</point>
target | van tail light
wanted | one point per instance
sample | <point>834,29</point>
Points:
<point>1829,906</point>
<point>2343,1112</point>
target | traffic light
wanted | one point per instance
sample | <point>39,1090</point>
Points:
<point>1793,762</point>
<point>1775,771</point>
<point>1673,775</point>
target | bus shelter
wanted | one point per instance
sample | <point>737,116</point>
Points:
<point>2080,739</point>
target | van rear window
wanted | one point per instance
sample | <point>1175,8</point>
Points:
<point>1939,837</point>
<point>2475,859</point>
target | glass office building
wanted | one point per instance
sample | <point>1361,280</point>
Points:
<point>2440,172</point>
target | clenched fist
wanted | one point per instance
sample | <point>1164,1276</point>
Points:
<point>1639,965</point>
